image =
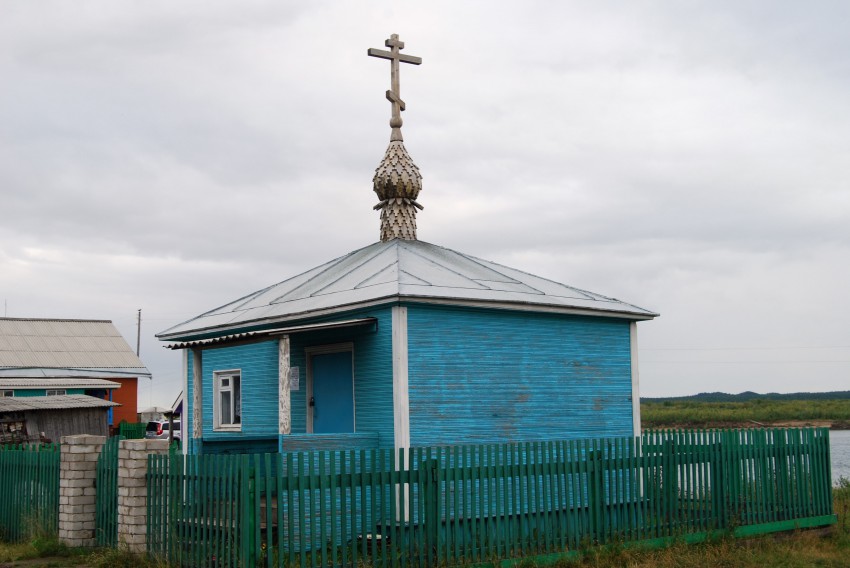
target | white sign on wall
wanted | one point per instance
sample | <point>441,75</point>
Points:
<point>294,378</point>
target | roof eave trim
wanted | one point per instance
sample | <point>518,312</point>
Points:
<point>265,334</point>
<point>124,371</point>
<point>189,335</point>
<point>539,308</point>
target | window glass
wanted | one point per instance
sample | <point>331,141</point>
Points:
<point>237,401</point>
<point>225,407</point>
<point>7,393</point>
<point>227,400</point>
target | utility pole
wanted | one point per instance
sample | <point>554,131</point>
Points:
<point>138,331</point>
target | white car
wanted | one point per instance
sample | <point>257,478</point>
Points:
<point>158,430</point>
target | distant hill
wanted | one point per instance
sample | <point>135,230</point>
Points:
<point>749,395</point>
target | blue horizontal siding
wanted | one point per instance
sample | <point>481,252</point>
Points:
<point>373,373</point>
<point>345,441</point>
<point>489,376</point>
<point>258,364</point>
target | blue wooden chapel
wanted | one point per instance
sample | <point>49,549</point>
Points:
<point>404,343</point>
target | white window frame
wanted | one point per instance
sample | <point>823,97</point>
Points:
<point>55,392</point>
<point>218,389</point>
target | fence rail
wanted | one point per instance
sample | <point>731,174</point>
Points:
<point>450,505</point>
<point>29,490</point>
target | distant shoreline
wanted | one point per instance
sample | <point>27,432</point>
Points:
<point>710,410</point>
<point>748,424</point>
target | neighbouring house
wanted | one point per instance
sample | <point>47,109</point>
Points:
<point>404,343</point>
<point>152,413</point>
<point>27,419</point>
<point>56,357</point>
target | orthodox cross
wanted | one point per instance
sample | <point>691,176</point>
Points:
<point>394,94</point>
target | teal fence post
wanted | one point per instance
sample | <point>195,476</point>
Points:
<point>718,486</point>
<point>431,493</point>
<point>592,494</point>
<point>670,485</point>
<point>246,498</point>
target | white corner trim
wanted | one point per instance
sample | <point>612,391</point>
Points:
<point>401,397</point>
<point>284,398</point>
<point>633,348</point>
<point>197,395</point>
<point>185,445</point>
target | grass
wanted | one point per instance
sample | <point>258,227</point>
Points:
<point>719,414</point>
<point>48,552</point>
<point>802,549</point>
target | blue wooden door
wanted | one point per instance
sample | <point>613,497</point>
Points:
<point>333,393</point>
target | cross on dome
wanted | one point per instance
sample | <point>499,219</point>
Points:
<point>394,94</point>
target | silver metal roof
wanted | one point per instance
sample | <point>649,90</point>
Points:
<point>60,373</point>
<point>69,344</point>
<point>402,270</point>
<point>60,402</point>
<point>26,383</point>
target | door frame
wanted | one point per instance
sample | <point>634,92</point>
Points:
<point>325,350</point>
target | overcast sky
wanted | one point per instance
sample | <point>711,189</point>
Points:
<point>692,158</point>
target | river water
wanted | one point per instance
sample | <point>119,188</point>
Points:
<point>839,450</point>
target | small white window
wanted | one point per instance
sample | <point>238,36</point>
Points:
<point>227,402</point>
<point>55,392</point>
<point>7,393</point>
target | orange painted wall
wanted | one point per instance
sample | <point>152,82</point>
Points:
<point>127,396</point>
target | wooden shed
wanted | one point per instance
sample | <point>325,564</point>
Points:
<point>404,343</point>
<point>40,418</point>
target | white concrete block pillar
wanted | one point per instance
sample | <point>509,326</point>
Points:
<point>77,493</point>
<point>133,490</point>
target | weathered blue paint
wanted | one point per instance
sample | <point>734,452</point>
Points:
<point>373,373</point>
<point>332,399</point>
<point>354,441</point>
<point>241,445</point>
<point>475,376</point>
<point>489,376</point>
<point>259,365</point>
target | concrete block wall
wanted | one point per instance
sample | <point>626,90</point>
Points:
<point>77,493</point>
<point>133,490</point>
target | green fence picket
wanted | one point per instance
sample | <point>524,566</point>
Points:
<point>29,490</point>
<point>465,504</point>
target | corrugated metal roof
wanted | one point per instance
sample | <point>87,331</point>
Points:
<point>60,402</point>
<point>59,373</point>
<point>27,383</point>
<point>267,332</point>
<point>75,344</point>
<point>399,269</point>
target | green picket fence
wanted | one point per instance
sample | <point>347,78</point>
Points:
<point>106,496</point>
<point>455,505</point>
<point>132,431</point>
<point>29,491</point>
